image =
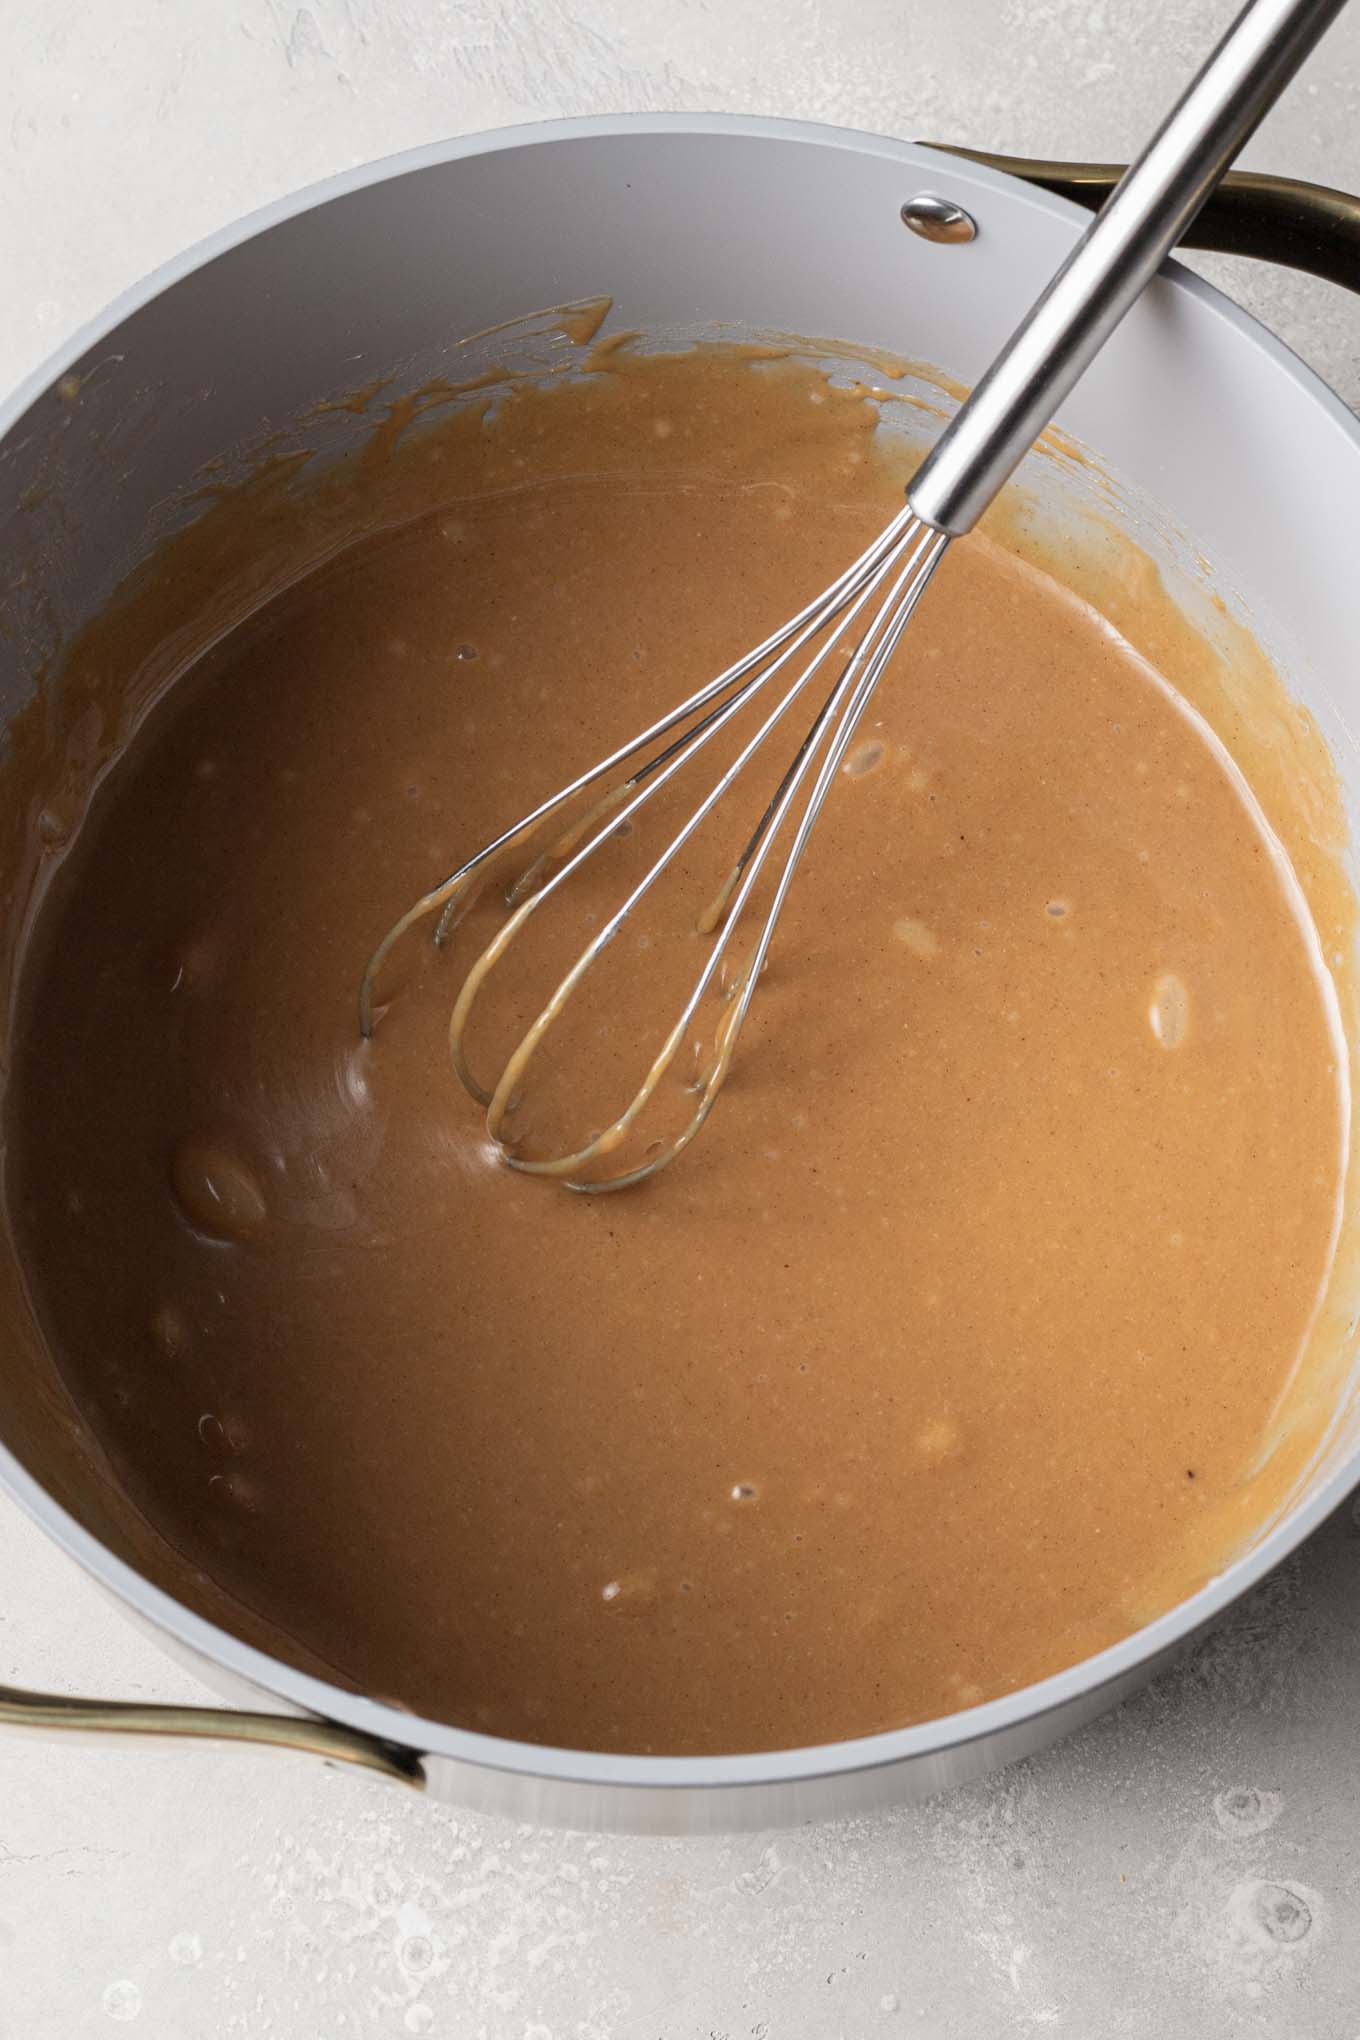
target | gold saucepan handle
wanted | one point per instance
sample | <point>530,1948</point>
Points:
<point>1276,219</point>
<point>52,1712</point>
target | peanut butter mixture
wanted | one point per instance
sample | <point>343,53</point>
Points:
<point>946,1357</point>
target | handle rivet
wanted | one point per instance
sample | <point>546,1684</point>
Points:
<point>938,219</point>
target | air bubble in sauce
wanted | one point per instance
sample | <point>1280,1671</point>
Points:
<point>1169,1010</point>
<point>864,758</point>
<point>217,1191</point>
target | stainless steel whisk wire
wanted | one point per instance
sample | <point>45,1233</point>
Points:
<point>915,551</point>
<point>996,425</point>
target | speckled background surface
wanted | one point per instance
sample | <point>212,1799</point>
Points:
<point>1189,1866</point>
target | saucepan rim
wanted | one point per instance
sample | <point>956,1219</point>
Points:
<point>391,1724</point>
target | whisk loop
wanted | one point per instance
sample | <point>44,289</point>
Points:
<point>895,569</point>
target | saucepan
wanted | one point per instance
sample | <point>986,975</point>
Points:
<point>690,223</point>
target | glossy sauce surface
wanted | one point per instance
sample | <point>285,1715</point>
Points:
<point>949,1354</point>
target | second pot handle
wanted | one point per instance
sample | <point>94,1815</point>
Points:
<point>55,1712</point>
<point>1276,219</point>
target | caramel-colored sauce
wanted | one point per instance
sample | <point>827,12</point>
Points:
<point>947,1357</point>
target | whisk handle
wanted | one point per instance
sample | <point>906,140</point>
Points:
<point>1141,221</point>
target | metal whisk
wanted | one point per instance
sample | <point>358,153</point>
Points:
<point>866,609</point>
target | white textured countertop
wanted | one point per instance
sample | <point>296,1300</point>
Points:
<point>1189,1866</point>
